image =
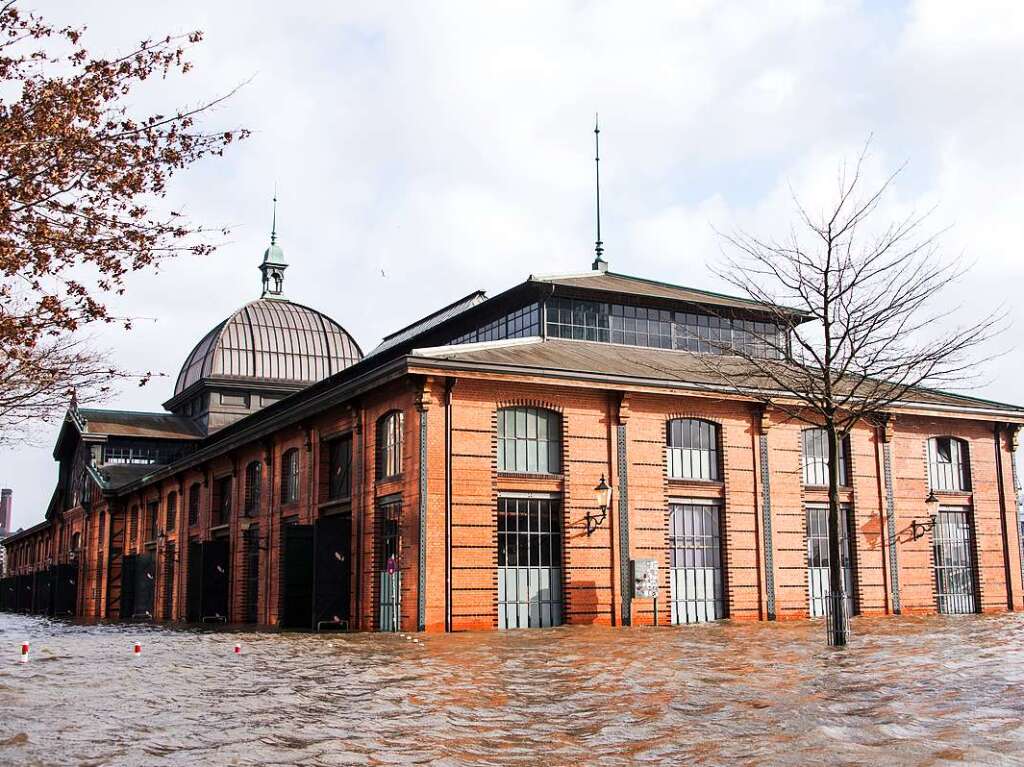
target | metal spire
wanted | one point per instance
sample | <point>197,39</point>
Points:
<point>273,226</point>
<point>599,264</point>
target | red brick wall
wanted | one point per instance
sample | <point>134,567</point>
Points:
<point>591,563</point>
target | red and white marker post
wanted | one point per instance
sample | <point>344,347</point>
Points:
<point>24,652</point>
<point>238,649</point>
<point>137,650</point>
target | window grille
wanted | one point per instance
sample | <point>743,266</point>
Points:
<point>529,562</point>
<point>290,476</point>
<point>949,464</point>
<point>172,511</point>
<point>816,453</point>
<point>695,562</point>
<point>692,451</point>
<point>954,561</point>
<point>818,583</point>
<point>389,445</point>
<point>253,477</point>
<point>529,440</point>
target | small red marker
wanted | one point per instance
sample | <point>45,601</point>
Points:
<point>137,650</point>
<point>24,652</point>
<point>238,649</point>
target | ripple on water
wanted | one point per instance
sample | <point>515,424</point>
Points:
<point>915,691</point>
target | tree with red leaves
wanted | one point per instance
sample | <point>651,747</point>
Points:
<point>82,187</point>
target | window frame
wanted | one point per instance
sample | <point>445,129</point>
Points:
<point>959,466</point>
<point>339,483</point>
<point>194,502</point>
<point>290,476</point>
<point>821,459</point>
<point>546,450</point>
<point>709,439</point>
<point>253,488</point>
<point>171,511</point>
<point>390,439</point>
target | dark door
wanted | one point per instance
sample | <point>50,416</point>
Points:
<point>297,577</point>
<point>145,587</point>
<point>216,580</point>
<point>41,592</point>
<point>333,576</point>
<point>128,565</point>
<point>65,589</point>
<point>115,565</point>
<point>194,586</point>
<point>6,593</point>
<point>25,593</point>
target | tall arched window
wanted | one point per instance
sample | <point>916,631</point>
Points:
<point>692,449</point>
<point>949,464</point>
<point>529,440</point>
<point>290,476</point>
<point>193,504</point>
<point>816,454</point>
<point>389,444</point>
<point>253,475</point>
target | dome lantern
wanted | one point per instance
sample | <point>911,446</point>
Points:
<point>273,265</point>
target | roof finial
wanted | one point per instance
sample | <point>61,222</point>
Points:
<point>599,264</point>
<point>273,226</point>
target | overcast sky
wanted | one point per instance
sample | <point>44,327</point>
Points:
<point>449,145</point>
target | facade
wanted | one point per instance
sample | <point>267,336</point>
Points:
<point>510,462</point>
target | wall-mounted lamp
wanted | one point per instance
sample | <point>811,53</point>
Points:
<point>918,529</point>
<point>603,496</point>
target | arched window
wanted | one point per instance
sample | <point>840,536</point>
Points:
<point>193,504</point>
<point>253,475</point>
<point>949,464</point>
<point>692,450</point>
<point>389,444</point>
<point>339,468</point>
<point>172,511</point>
<point>290,476</point>
<point>76,541</point>
<point>529,440</point>
<point>816,458</point>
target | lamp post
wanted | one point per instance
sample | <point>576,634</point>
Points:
<point>918,529</point>
<point>603,496</point>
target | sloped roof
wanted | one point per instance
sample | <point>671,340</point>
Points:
<point>611,282</point>
<point>641,365</point>
<point>115,476</point>
<point>126,423</point>
<point>431,321</point>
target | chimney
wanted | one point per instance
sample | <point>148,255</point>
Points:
<point>6,499</point>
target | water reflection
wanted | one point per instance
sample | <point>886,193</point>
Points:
<point>918,691</point>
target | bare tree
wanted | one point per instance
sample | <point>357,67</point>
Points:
<point>863,333</point>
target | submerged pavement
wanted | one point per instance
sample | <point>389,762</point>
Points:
<point>908,691</point>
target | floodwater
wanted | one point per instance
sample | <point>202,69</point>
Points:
<point>909,691</point>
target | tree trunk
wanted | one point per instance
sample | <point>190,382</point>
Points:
<point>837,621</point>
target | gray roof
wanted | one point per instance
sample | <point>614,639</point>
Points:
<point>644,366</point>
<point>430,321</point>
<point>117,475</point>
<point>126,423</point>
<point>271,340</point>
<point>638,286</point>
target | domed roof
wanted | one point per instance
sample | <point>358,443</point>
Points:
<point>273,341</point>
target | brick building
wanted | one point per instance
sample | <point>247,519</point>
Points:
<point>505,462</point>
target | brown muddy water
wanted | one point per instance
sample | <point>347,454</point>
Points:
<point>910,691</point>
